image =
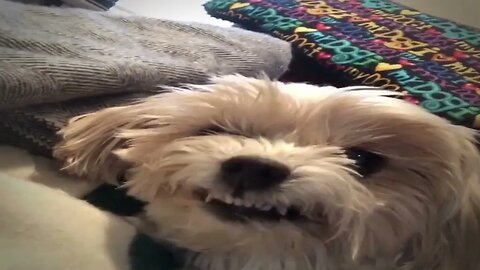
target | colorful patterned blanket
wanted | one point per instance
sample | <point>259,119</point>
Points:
<point>376,42</point>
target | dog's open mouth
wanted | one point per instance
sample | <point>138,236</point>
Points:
<point>236,209</point>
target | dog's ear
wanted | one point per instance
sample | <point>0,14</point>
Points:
<point>464,229</point>
<point>88,143</point>
<point>458,243</point>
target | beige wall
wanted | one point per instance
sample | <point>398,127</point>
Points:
<point>179,10</point>
<point>462,11</point>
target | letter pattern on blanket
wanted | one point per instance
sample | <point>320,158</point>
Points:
<point>435,62</point>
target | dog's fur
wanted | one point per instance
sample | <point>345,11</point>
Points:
<point>420,212</point>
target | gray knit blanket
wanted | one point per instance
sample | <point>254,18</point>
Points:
<point>56,63</point>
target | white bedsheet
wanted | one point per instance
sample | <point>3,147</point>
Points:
<point>19,164</point>
<point>46,229</point>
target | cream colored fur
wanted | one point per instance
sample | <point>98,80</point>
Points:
<point>421,212</point>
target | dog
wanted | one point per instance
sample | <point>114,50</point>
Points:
<point>250,173</point>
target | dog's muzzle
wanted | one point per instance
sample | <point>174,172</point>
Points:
<point>248,174</point>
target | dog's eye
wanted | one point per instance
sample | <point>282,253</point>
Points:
<point>214,130</point>
<point>366,163</point>
<point>210,131</point>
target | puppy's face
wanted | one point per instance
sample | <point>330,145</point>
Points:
<point>251,166</point>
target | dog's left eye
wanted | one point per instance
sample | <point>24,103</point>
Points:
<point>210,131</point>
<point>366,163</point>
<point>214,130</point>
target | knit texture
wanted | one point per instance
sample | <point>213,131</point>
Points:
<point>56,63</point>
<point>434,62</point>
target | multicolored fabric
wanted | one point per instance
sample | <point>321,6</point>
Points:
<point>379,43</point>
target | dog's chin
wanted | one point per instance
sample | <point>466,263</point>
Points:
<point>202,222</point>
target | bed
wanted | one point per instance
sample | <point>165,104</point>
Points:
<point>39,176</point>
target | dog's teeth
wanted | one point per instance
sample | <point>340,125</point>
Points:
<point>265,207</point>
<point>282,210</point>
<point>380,204</point>
<point>228,199</point>
<point>248,203</point>
<point>237,202</point>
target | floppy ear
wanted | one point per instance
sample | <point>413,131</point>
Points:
<point>458,243</point>
<point>463,232</point>
<point>89,141</point>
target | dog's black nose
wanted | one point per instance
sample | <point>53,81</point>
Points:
<point>248,173</point>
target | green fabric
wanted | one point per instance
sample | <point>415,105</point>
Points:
<point>146,254</point>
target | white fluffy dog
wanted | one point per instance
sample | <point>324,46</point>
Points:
<point>255,174</point>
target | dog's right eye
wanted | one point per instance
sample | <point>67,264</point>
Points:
<point>213,130</point>
<point>366,163</point>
